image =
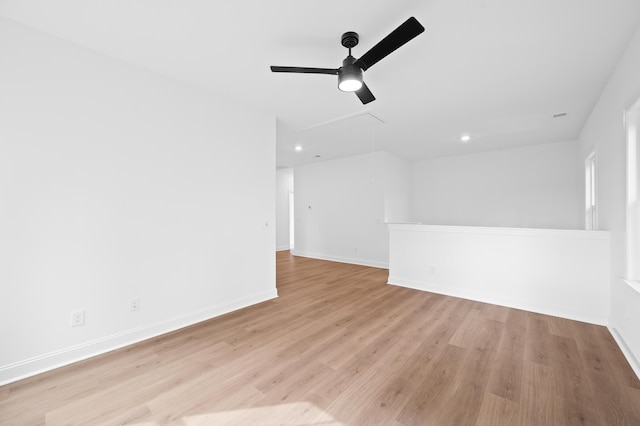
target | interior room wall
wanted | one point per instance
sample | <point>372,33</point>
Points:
<point>284,186</point>
<point>538,270</point>
<point>340,208</point>
<point>118,184</point>
<point>396,181</point>
<point>529,187</point>
<point>604,132</point>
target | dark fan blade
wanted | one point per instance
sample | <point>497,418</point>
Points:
<point>365,94</point>
<point>303,70</point>
<point>401,35</point>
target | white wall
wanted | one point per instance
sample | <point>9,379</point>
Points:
<point>284,185</point>
<point>530,187</point>
<point>115,184</point>
<point>340,207</point>
<point>604,131</point>
<point>555,272</point>
<point>396,180</point>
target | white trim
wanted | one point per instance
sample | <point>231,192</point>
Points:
<point>346,117</point>
<point>353,261</point>
<point>555,233</point>
<point>634,285</point>
<point>41,363</point>
<point>282,248</point>
<point>628,354</point>
<point>498,300</point>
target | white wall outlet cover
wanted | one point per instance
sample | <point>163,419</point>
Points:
<point>77,318</point>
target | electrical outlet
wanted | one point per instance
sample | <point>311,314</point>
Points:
<point>135,305</point>
<point>77,318</point>
<point>432,270</point>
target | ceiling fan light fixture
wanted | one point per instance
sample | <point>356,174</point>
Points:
<point>349,76</point>
<point>350,84</point>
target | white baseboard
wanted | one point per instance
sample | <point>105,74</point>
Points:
<point>497,300</point>
<point>340,259</point>
<point>39,364</point>
<point>631,359</point>
<point>282,248</point>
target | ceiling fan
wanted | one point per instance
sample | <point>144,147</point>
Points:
<point>350,73</point>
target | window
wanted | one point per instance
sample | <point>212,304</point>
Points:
<point>591,220</point>
<point>632,121</point>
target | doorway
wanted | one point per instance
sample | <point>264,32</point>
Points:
<point>291,222</point>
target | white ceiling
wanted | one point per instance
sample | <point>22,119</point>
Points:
<point>495,69</point>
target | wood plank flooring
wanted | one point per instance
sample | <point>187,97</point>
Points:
<point>340,347</point>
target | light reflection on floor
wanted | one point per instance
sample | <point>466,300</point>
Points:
<point>293,414</point>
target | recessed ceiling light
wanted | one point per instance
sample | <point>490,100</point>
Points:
<point>298,148</point>
<point>465,138</point>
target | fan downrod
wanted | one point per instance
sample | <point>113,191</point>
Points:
<point>350,39</point>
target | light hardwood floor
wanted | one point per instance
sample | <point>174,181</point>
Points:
<point>339,346</point>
